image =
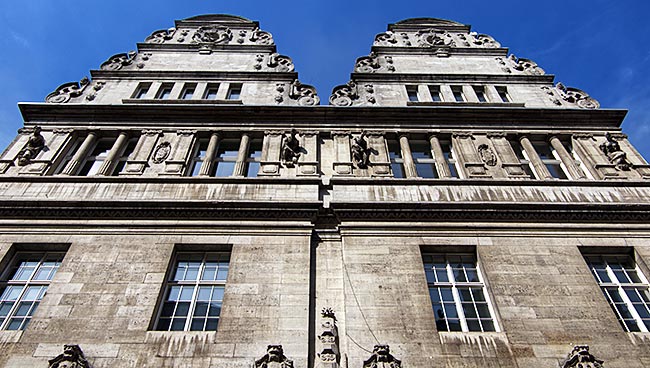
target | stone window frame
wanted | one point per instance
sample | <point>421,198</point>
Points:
<point>232,87</point>
<point>198,157</point>
<point>435,90</point>
<point>141,91</point>
<point>165,91</point>
<point>412,94</point>
<point>451,302</point>
<point>396,158</point>
<point>209,88</point>
<point>198,288</point>
<point>31,286</point>
<point>504,95</point>
<point>554,162</point>
<point>481,93</point>
<point>631,299</point>
<point>458,93</point>
<point>185,92</point>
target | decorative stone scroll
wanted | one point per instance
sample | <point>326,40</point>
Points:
<point>615,154</point>
<point>525,65</point>
<point>580,357</point>
<point>304,94</point>
<point>72,357</point>
<point>382,358</point>
<point>373,63</point>
<point>161,36</point>
<point>117,62</point>
<point>349,94</point>
<point>280,63</point>
<point>261,37</point>
<point>212,35</point>
<point>330,353</point>
<point>484,40</point>
<point>67,91</point>
<point>576,97</point>
<point>274,358</point>
<point>433,38</point>
<point>385,39</point>
<point>290,152</point>
<point>33,147</point>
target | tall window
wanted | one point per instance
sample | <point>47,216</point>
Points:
<point>165,91</point>
<point>460,302</point>
<point>396,160</point>
<point>435,93</point>
<point>194,292</point>
<point>625,288</point>
<point>198,158</point>
<point>423,159</point>
<point>97,156</point>
<point>457,91</point>
<point>254,157</point>
<point>480,93</point>
<point>552,163</point>
<point>523,159</point>
<point>124,157</point>
<point>412,93</point>
<point>226,157</point>
<point>211,91</point>
<point>450,158</point>
<point>502,91</point>
<point>23,285</point>
<point>234,91</point>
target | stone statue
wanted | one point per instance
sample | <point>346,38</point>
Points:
<point>274,358</point>
<point>581,358</point>
<point>614,153</point>
<point>381,358</point>
<point>290,149</point>
<point>360,151</point>
<point>72,357</point>
<point>34,146</point>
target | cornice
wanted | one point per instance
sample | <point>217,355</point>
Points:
<point>417,78</point>
<point>192,75</point>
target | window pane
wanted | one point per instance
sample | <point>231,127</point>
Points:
<point>225,169</point>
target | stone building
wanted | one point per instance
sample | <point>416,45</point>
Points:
<point>192,204</point>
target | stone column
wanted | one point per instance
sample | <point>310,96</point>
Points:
<point>242,154</point>
<point>208,161</point>
<point>73,166</point>
<point>569,162</point>
<point>407,157</point>
<point>113,155</point>
<point>537,163</point>
<point>442,166</point>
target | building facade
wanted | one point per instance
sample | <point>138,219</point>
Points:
<point>192,204</point>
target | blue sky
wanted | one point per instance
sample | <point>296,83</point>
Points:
<point>599,46</point>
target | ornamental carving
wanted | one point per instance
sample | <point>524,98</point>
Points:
<point>484,40</point>
<point>614,153</point>
<point>33,147</point>
<point>373,63</point>
<point>290,149</point>
<point>487,155</point>
<point>360,151</point>
<point>72,357</point>
<point>431,38</point>
<point>304,94</point>
<point>280,63</point>
<point>161,152</point>
<point>261,37</point>
<point>274,358</point>
<point>580,357</point>
<point>385,39</point>
<point>344,95</point>
<point>525,65</point>
<point>212,34</point>
<point>67,91</point>
<point>329,355</point>
<point>161,36</point>
<point>116,62</point>
<point>576,97</point>
<point>382,358</point>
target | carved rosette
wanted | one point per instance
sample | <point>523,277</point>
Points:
<point>373,63</point>
<point>580,357</point>
<point>67,91</point>
<point>526,66</point>
<point>483,40</point>
<point>274,358</point>
<point>117,62</point>
<point>303,94</point>
<point>212,35</point>
<point>72,357</point>
<point>577,97</point>
<point>260,37</point>
<point>161,36</point>
<point>382,358</point>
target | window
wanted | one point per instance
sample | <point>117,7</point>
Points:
<point>226,157</point>
<point>449,157</point>
<point>423,159</point>
<point>412,93</point>
<point>165,91</point>
<point>503,93</point>
<point>94,161</point>
<point>23,285</point>
<point>435,93</point>
<point>552,163</point>
<point>254,158</point>
<point>480,93</point>
<point>396,160</point>
<point>625,288</point>
<point>142,90</point>
<point>234,91</point>
<point>188,91</point>
<point>458,93</point>
<point>199,157</point>
<point>124,157</point>
<point>194,292</point>
<point>458,295</point>
<point>211,91</point>
<point>523,159</point>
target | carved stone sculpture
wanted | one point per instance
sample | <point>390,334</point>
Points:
<point>577,97</point>
<point>290,149</point>
<point>484,40</point>
<point>487,155</point>
<point>581,358</point>
<point>381,358</point>
<point>303,93</point>
<point>615,154</point>
<point>360,151</point>
<point>274,358</point>
<point>213,35</point>
<point>261,37</point>
<point>330,353</point>
<point>344,95</point>
<point>33,147</point>
<point>161,36</point>
<point>371,63</point>
<point>116,62</point>
<point>431,38</point>
<point>72,357</point>
<point>525,65</point>
<point>385,39</point>
<point>280,63</point>
<point>67,91</point>
<point>161,152</point>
